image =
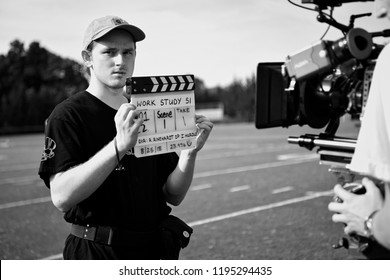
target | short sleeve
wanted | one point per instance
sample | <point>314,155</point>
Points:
<point>62,148</point>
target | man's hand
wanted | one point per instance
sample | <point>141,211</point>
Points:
<point>204,126</point>
<point>355,208</point>
<point>127,123</point>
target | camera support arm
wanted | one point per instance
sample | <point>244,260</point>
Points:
<point>310,141</point>
<point>323,18</point>
<point>335,151</point>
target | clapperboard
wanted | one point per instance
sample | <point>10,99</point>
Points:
<point>167,105</point>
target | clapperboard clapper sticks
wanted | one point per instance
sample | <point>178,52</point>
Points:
<point>167,105</point>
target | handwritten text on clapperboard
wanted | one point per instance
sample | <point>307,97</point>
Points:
<point>167,105</point>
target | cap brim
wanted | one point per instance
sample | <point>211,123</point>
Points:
<point>136,33</point>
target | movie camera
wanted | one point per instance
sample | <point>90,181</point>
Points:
<point>319,84</point>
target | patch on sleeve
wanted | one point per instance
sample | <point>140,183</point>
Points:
<point>48,150</point>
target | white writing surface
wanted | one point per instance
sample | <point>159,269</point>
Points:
<point>169,118</point>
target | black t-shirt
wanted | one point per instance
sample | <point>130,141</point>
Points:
<point>132,199</point>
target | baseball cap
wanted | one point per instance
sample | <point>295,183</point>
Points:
<point>101,26</point>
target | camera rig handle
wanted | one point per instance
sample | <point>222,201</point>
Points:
<point>383,33</point>
<point>353,17</point>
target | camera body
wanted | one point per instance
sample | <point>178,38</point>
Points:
<point>317,84</point>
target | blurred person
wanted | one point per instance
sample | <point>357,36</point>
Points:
<point>116,213</point>
<point>368,214</point>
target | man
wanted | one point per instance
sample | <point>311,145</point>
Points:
<point>115,212</point>
<point>368,215</point>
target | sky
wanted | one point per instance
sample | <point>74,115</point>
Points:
<point>218,41</point>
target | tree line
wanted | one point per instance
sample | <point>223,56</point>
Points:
<point>33,81</point>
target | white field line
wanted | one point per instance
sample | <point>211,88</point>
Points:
<point>260,208</point>
<point>25,202</point>
<point>285,189</point>
<point>254,167</point>
<point>238,153</point>
<point>54,257</point>
<point>240,188</point>
<point>200,187</point>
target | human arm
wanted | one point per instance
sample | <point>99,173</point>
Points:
<point>179,181</point>
<point>72,186</point>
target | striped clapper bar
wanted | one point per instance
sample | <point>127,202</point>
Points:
<point>167,105</point>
